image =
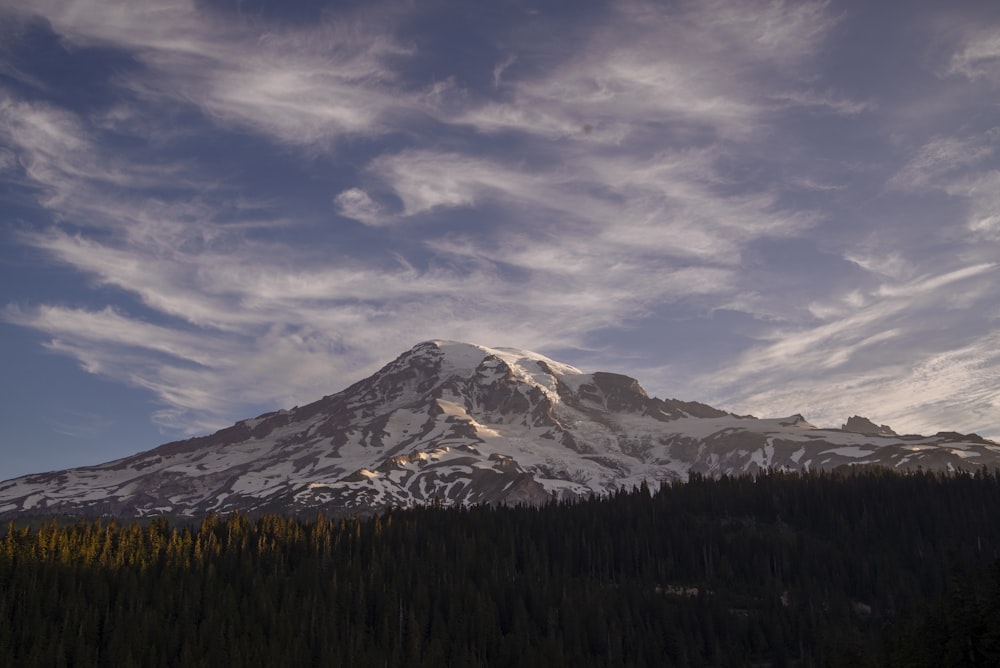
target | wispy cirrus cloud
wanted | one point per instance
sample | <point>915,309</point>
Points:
<point>943,158</point>
<point>672,204</point>
<point>358,205</point>
<point>110,326</point>
<point>955,165</point>
<point>881,351</point>
<point>978,57</point>
<point>681,71</point>
<point>915,395</point>
<point>56,151</point>
<point>301,86</point>
<point>822,101</point>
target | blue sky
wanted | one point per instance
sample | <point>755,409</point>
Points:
<point>215,209</point>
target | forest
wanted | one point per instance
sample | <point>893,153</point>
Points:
<point>863,567</point>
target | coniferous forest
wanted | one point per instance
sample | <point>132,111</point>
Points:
<point>860,568</point>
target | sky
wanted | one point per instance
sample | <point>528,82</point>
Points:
<point>218,208</point>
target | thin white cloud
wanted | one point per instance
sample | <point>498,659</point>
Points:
<point>779,32</point>
<point>941,158</point>
<point>297,86</point>
<point>56,150</point>
<point>812,347</point>
<point>669,205</point>
<point>357,204</point>
<point>8,160</point>
<point>878,352</point>
<point>168,283</point>
<point>108,326</point>
<point>930,284</point>
<point>200,376</point>
<point>978,58</point>
<point>839,307</point>
<point>649,66</point>
<point>960,167</point>
<point>500,68</point>
<point>891,265</point>
<point>81,425</point>
<point>825,101</point>
<point>983,193</point>
<point>922,394</point>
<point>809,184</point>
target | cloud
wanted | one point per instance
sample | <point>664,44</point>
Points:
<point>978,58</point>
<point>112,345</point>
<point>671,205</point>
<point>769,31</point>
<point>983,193</point>
<point>941,158</point>
<point>81,425</point>
<point>955,166</point>
<point>500,68</point>
<point>357,204</point>
<point>891,265</point>
<point>881,352</point>
<point>54,148</point>
<point>200,376</point>
<point>813,347</point>
<point>298,86</point>
<point>827,101</point>
<point>108,326</point>
<point>695,67</point>
<point>924,394</point>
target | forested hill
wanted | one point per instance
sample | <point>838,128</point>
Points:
<point>777,569</point>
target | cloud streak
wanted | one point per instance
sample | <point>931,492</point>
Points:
<point>882,354</point>
<point>299,86</point>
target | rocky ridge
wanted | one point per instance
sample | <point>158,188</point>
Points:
<point>457,423</point>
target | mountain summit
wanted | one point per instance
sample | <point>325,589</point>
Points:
<point>458,423</point>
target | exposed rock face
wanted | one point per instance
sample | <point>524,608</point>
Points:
<point>862,425</point>
<point>458,423</point>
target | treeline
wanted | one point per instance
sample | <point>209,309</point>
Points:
<point>861,568</point>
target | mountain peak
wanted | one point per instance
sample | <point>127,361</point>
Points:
<point>467,361</point>
<point>862,425</point>
<point>459,357</point>
<point>464,423</point>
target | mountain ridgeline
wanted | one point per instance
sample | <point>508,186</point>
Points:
<point>461,424</point>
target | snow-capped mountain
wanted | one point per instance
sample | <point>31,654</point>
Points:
<point>459,423</point>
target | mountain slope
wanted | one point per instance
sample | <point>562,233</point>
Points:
<point>461,423</point>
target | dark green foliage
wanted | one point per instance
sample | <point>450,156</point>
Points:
<point>776,569</point>
<point>960,629</point>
